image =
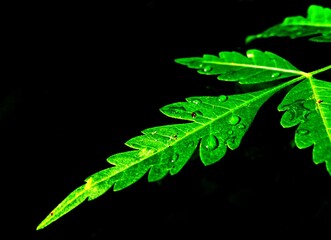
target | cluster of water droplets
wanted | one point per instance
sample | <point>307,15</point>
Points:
<point>171,157</point>
<point>234,124</point>
<point>300,111</point>
<point>205,68</point>
<point>178,155</point>
<point>230,132</point>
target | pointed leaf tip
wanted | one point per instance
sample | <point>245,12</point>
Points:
<point>70,202</point>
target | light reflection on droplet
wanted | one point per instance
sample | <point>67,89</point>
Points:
<point>275,75</point>
<point>207,69</point>
<point>234,120</point>
<point>211,142</point>
<point>222,98</point>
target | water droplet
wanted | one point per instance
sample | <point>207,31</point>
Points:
<point>250,55</point>
<point>222,98</point>
<point>230,141</point>
<point>302,131</point>
<point>211,142</point>
<point>174,157</point>
<point>306,115</point>
<point>207,69</point>
<point>241,126</point>
<point>196,101</point>
<point>276,74</point>
<point>199,113</point>
<point>234,120</point>
<point>299,110</point>
<point>230,132</point>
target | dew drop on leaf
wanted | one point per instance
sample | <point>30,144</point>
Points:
<point>306,115</point>
<point>241,126</point>
<point>303,131</point>
<point>222,98</point>
<point>207,69</point>
<point>196,101</point>
<point>234,120</point>
<point>250,54</point>
<point>199,113</point>
<point>230,132</point>
<point>174,157</point>
<point>211,142</point>
<point>276,74</point>
<point>230,141</point>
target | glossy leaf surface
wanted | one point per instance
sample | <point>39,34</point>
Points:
<point>317,25</point>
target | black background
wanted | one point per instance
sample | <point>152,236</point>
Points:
<point>82,79</point>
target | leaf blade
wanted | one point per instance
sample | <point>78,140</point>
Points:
<point>317,25</point>
<point>217,127</point>
<point>255,67</point>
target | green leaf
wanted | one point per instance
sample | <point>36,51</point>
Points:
<point>215,124</point>
<point>326,37</point>
<point>257,67</point>
<point>309,105</point>
<point>318,22</point>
